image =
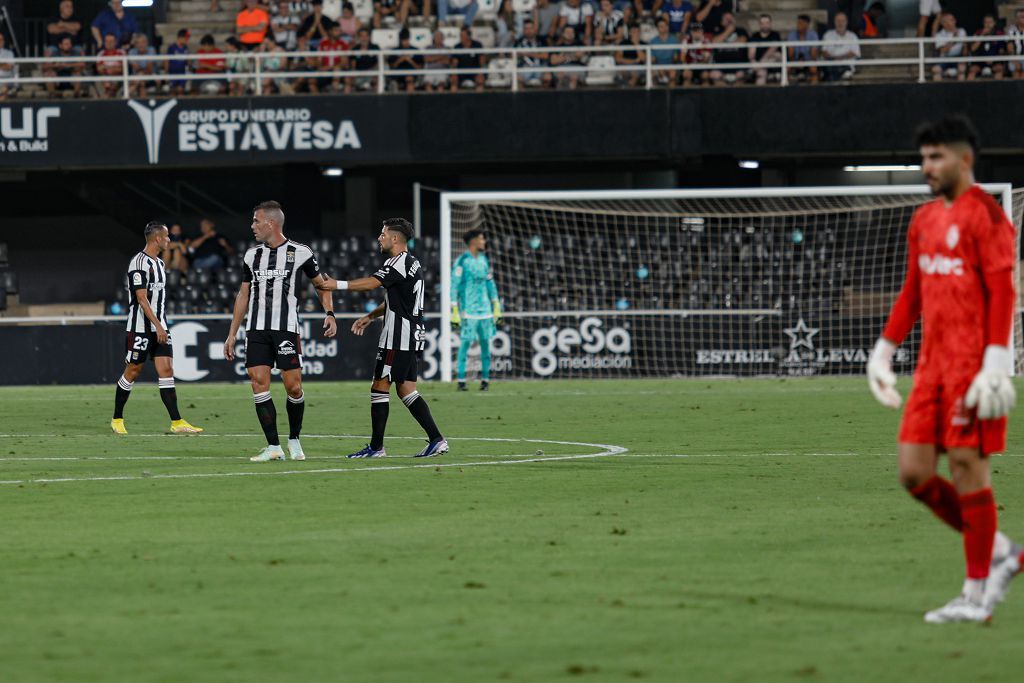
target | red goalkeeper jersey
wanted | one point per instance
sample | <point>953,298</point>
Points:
<point>959,260</point>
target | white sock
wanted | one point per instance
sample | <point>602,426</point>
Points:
<point>974,589</point>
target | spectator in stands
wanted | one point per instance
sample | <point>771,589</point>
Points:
<point>807,54</point>
<point>364,61</point>
<point>666,55</point>
<point>109,63</point>
<point>646,8</point>
<point>1016,45</point>
<point>987,48</point>
<point>71,66</point>
<point>570,62</point>
<point>238,62</point>
<point>209,251</point>
<point>467,8</point>
<point>679,13</point>
<point>142,67</point>
<point>179,67</point>
<point>440,60</point>
<point>274,61</point>
<point>764,55</point>
<point>546,18</point>
<point>212,64</point>
<point>349,22</point>
<point>577,15</point>
<point>506,25</point>
<point>394,10</point>
<point>284,25</point>
<point>64,23</point>
<point>8,69</point>
<point>335,63</point>
<point>929,11</point>
<point>608,24</point>
<point>949,42</point>
<point>840,44</point>
<point>696,51</point>
<point>307,64</point>
<point>631,54</point>
<point>711,13</point>
<point>251,25</point>
<point>532,56</point>
<point>732,34</point>
<point>317,26</point>
<point>468,60</point>
<point>175,254</point>
<point>409,59</point>
<point>113,20</point>
<point>872,22</point>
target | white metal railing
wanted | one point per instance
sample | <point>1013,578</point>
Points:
<point>508,74</point>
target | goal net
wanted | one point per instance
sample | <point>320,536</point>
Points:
<point>792,281</point>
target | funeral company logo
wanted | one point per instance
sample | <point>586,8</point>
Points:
<point>30,132</point>
<point>243,129</point>
<point>584,348</point>
<point>152,118</point>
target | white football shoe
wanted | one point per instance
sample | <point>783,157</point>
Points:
<point>295,450</point>
<point>1000,575</point>
<point>267,454</point>
<point>960,608</point>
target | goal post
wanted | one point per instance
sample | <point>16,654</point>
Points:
<point>688,282</point>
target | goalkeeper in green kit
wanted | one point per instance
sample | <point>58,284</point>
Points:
<point>475,306</point>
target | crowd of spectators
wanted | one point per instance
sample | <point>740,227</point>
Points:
<point>706,36</point>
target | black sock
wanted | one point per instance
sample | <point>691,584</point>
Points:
<point>124,390</point>
<point>421,411</point>
<point>169,396</point>
<point>267,414</point>
<point>379,408</point>
<point>296,407</point>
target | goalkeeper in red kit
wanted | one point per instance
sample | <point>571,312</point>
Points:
<point>960,264</point>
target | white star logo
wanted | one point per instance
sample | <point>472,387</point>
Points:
<point>800,335</point>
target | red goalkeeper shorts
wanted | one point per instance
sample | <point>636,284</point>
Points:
<point>936,414</point>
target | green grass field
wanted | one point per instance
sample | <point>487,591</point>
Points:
<point>752,531</point>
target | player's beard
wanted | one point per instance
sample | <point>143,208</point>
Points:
<point>943,187</point>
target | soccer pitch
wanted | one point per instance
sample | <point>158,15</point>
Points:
<point>687,530</point>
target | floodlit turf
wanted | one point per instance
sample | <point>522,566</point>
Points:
<point>754,531</point>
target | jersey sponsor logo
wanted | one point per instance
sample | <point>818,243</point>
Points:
<point>270,273</point>
<point>953,236</point>
<point>586,347</point>
<point>940,265</point>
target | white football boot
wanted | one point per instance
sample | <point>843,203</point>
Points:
<point>960,608</point>
<point>267,454</point>
<point>295,450</point>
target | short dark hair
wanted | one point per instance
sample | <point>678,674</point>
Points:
<point>207,40</point>
<point>471,235</point>
<point>804,17</point>
<point>878,6</point>
<point>400,225</point>
<point>152,228</point>
<point>949,130</point>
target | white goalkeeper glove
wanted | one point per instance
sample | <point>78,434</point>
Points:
<point>881,379</point>
<point>992,391</point>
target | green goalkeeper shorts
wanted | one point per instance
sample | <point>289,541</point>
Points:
<point>479,330</point>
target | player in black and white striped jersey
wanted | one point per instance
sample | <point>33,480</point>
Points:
<point>401,341</point>
<point>147,331</point>
<point>268,299</point>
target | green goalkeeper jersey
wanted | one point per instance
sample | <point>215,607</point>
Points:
<point>473,289</point>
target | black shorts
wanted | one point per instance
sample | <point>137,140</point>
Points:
<point>272,347</point>
<point>397,366</point>
<point>142,345</point>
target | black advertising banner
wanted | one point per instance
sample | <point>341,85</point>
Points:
<point>198,132</point>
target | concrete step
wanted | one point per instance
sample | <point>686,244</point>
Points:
<point>772,6</point>
<point>191,17</point>
<point>782,21</point>
<point>199,6</point>
<point>170,29</point>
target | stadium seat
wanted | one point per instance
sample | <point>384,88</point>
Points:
<point>523,6</point>
<point>421,37</point>
<point>484,35</point>
<point>499,73</point>
<point>488,10</point>
<point>451,35</point>
<point>601,70</point>
<point>363,10</point>
<point>385,38</point>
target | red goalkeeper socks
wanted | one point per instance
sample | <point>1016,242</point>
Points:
<point>978,511</point>
<point>940,495</point>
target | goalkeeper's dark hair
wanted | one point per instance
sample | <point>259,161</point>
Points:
<point>471,235</point>
<point>949,130</point>
<point>400,225</point>
<point>152,228</point>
